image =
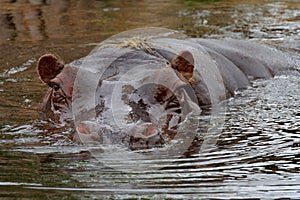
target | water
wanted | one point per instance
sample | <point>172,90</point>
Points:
<point>257,153</point>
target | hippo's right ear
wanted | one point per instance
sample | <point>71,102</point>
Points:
<point>48,67</point>
<point>184,64</point>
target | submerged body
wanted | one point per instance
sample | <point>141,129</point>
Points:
<point>143,94</point>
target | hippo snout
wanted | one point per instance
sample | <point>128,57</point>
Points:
<point>142,136</point>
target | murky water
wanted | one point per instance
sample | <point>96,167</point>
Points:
<point>257,154</point>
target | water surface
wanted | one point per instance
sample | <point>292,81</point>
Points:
<point>257,154</point>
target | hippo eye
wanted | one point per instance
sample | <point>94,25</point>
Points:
<point>55,87</point>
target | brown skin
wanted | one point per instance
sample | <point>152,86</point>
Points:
<point>184,64</point>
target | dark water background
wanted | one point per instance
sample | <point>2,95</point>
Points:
<point>257,154</point>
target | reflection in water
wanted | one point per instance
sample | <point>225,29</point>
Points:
<point>26,19</point>
<point>23,21</point>
<point>34,20</point>
<point>39,19</point>
<point>257,155</point>
<point>7,26</point>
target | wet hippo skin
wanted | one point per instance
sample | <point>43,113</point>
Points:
<point>238,62</point>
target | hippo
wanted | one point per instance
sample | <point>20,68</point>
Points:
<point>152,85</point>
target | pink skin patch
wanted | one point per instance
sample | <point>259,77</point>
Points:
<point>150,130</point>
<point>83,129</point>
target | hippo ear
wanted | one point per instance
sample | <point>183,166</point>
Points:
<point>184,64</point>
<point>48,67</point>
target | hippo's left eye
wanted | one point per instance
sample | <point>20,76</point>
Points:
<point>55,87</point>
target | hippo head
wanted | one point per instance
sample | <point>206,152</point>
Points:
<point>56,104</point>
<point>152,111</point>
